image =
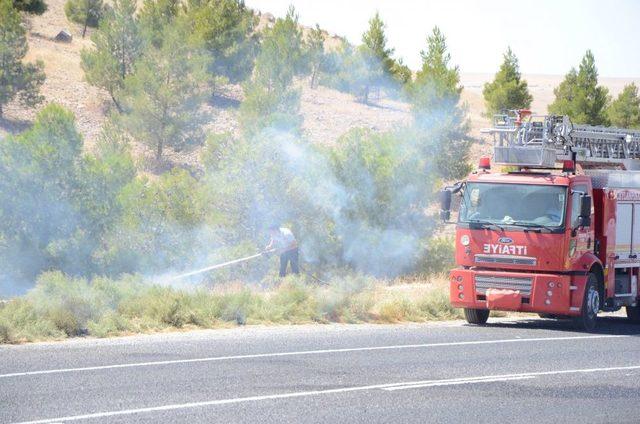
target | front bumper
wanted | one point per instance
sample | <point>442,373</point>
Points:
<point>516,291</point>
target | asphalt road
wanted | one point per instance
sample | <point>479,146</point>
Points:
<point>510,371</point>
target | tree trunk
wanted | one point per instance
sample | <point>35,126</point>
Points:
<point>115,102</point>
<point>84,30</point>
<point>313,77</point>
<point>159,150</point>
<point>0,110</point>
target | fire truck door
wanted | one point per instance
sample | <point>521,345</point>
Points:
<point>635,233</point>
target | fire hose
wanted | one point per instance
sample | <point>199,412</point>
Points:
<point>233,262</point>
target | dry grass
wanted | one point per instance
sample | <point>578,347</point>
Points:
<point>60,307</point>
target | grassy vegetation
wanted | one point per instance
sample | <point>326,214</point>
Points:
<point>60,307</point>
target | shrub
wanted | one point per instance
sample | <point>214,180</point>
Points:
<point>439,255</point>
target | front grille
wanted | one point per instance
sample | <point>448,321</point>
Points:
<point>504,259</point>
<point>484,282</point>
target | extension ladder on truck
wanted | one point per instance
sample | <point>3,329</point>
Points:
<point>533,141</point>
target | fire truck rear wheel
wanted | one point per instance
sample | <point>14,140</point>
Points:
<point>633,313</point>
<point>476,316</point>
<point>590,305</point>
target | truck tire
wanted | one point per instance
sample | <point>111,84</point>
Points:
<point>633,313</point>
<point>476,316</point>
<point>588,317</point>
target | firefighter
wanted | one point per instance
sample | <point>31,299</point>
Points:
<point>284,243</point>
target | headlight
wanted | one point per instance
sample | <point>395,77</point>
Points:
<point>464,240</point>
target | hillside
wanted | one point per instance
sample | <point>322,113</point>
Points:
<point>327,113</point>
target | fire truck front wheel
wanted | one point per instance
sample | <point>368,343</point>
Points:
<point>476,316</point>
<point>590,305</point>
<point>633,313</point>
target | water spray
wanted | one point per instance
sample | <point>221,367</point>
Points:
<point>218,266</point>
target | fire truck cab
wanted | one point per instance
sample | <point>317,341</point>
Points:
<point>560,242</point>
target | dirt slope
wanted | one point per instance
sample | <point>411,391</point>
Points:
<point>327,113</point>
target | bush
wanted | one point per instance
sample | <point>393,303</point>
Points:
<point>396,310</point>
<point>110,324</point>
<point>436,306</point>
<point>5,337</point>
<point>439,256</point>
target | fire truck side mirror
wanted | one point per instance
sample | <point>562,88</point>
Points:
<point>585,211</point>
<point>445,205</point>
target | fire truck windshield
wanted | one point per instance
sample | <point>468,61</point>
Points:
<point>526,205</point>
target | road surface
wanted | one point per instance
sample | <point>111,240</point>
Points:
<point>526,370</point>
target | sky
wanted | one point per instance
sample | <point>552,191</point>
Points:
<point>549,37</point>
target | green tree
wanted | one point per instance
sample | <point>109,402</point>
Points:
<point>401,72</point>
<point>315,53</point>
<point>507,90</point>
<point>164,95</point>
<point>36,7</point>
<point>85,12</point>
<point>373,61</point>
<point>624,112</point>
<point>269,98</point>
<point>436,82</point>
<point>154,16</point>
<point>157,227</point>
<point>580,97</point>
<point>435,98</point>
<point>118,44</point>
<point>375,41</point>
<point>227,29</point>
<point>16,78</point>
<point>56,203</point>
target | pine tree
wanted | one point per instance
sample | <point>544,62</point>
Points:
<point>507,90</point>
<point>580,97</point>
<point>375,40</point>
<point>436,82</point>
<point>164,95</point>
<point>17,78</point>
<point>440,121</point>
<point>154,16</point>
<point>624,112</point>
<point>118,44</point>
<point>315,53</point>
<point>281,55</point>
<point>226,27</point>
<point>269,98</point>
<point>85,12</point>
<point>401,72</point>
<point>375,57</point>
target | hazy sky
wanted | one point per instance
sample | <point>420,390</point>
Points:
<point>547,36</point>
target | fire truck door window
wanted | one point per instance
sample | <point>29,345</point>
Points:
<point>623,229</point>
<point>575,204</point>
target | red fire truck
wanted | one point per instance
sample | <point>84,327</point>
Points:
<point>560,242</point>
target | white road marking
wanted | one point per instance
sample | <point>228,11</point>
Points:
<point>304,352</point>
<point>403,385</point>
<point>455,381</point>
